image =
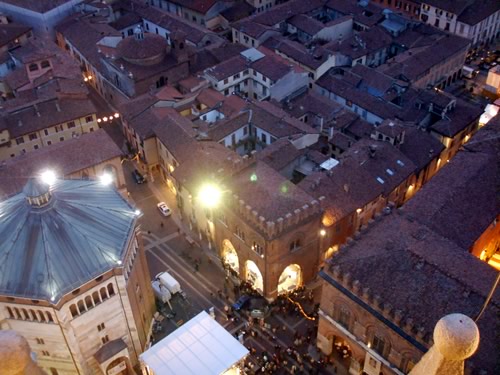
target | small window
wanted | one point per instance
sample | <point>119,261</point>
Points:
<point>88,119</point>
<point>53,371</point>
<point>49,143</point>
<point>19,140</point>
<point>71,124</point>
<point>100,327</point>
<point>295,245</point>
<point>61,139</point>
<point>45,353</point>
<point>226,81</point>
<point>46,131</point>
<point>45,64</point>
<point>73,310</point>
<point>105,339</point>
<point>33,67</point>
<point>40,341</point>
<point>33,136</point>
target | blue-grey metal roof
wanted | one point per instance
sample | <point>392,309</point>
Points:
<point>46,252</point>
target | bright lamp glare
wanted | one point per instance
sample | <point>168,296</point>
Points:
<point>117,115</point>
<point>210,195</point>
<point>137,212</point>
<point>48,177</point>
<point>106,179</point>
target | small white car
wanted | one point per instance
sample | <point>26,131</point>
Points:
<point>164,210</point>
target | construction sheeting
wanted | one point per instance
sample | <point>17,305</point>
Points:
<point>201,346</point>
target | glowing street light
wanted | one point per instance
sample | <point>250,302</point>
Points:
<point>322,233</point>
<point>105,119</point>
<point>106,179</point>
<point>210,195</point>
<point>48,177</point>
<point>117,115</point>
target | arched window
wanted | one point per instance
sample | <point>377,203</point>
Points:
<point>111,290</point>
<point>33,315</point>
<point>344,317</point>
<point>378,342</point>
<point>104,296</point>
<point>73,310</point>
<point>88,302</point>
<point>25,314</point>
<point>45,64</point>
<point>33,67</point>
<point>95,298</point>
<point>9,311</point>
<point>18,315</point>
<point>41,316</point>
<point>295,245</point>
<point>49,317</point>
<point>81,307</point>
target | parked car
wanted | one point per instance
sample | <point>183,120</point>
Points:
<point>241,302</point>
<point>164,210</point>
<point>138,177</point>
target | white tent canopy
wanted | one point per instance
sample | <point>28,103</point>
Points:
<point>201,346</point>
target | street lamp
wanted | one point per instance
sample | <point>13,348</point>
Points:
<point>209,195</point>
<point>106,179</point>
<point>48,176</point>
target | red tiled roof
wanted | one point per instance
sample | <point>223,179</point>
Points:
<point>9,32</point>
<point>270,194</point>
<point>64,158</point>
<point>415,265</point>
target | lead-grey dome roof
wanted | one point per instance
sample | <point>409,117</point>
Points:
<point>46,252</point>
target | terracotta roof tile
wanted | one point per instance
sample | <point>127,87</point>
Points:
<point>64,158</point>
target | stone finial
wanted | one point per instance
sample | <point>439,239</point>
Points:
<point>456,338</point>
<point>15,355</point>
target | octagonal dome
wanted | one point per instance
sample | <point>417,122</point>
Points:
<point>46,252</point>
<point>149,49</point>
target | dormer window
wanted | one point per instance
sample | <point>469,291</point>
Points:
<point>33,67</point>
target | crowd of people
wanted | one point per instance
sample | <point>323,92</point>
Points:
<point>287,351</point>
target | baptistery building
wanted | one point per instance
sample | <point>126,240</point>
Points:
<point>73,277</point>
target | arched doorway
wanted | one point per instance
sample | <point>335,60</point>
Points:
<point>119,366</point>
<point>229,256</point>
<point>290,279</point>
<point>254,277</point>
